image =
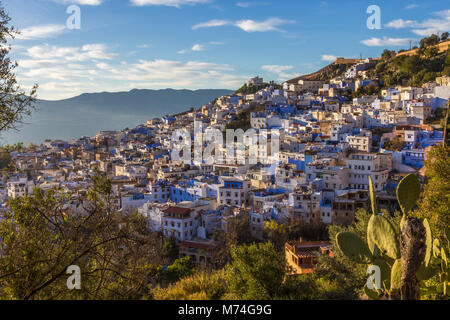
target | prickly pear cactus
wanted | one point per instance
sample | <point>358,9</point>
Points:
<point>384,236</point>
<point>354,247</point>
<point>408,192</point>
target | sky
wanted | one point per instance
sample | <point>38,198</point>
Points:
<point>201,44</point>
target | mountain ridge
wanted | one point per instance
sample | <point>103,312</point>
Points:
<point>89,113</point>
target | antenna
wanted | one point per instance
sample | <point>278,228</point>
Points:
<point>410,44</point>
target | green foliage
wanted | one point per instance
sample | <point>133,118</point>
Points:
<point>414,70</point>
<point>242,120</point>
<point>408,192</point>
<point>435,203</point>
<point>42,237</point>
<point>181,268</point>
<point>383,241</point>
<point>384,236</point>
<point>257,271</point>
<point>354,247</point>
<point>396,144</point>
<point>429,242</point>
<point>429,41</point>
<point>396,275</point>
<point>170,249</point>
<point>15,103</point>
<point>200,286</point>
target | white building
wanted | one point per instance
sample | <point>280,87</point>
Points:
<point>180,223</point>
<point>234,192</point>
<point>363,165</point>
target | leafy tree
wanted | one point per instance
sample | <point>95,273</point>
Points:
<point>238,233</point>
<point>396,144</point>
<point>388,54</point>
<point>15,103</point>
<point>435,203</point>
<point>429,41</point>
<point>45,233</point>
<point>257,271</point>
<point>276,233</point>
<point>181,268</point>
<point>200,286</point>
<point>444,36</point>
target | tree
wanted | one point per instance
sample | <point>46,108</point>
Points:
<point>181,268</point>
<point>200,286</point>
<point>435,203</point>
<point>15,103</point>
<point>388,54</point>
<point>444,36</point>
<point>238,233</point>
<point>45,233</point>
<point>257,271</point>
<point>396,144</point>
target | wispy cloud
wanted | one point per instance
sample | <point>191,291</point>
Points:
<point>248,4</point>
<point>212,23</point>
<point>280,71</point>
<point>169,3</point>
<point>67,71</point>
<point>400,23</point>
<point>81,2</point>
<point>328,57</point>
<point>411,6</point>
<point>247,25</point>
<point>200,47</point>
<point>388,42</point>
<point>441,23</point>
<point>40,32</point>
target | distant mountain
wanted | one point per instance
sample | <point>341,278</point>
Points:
<point>144,102</point>
<point>86,114</point>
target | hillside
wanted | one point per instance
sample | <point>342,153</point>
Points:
<point>328,72</point>
<point>413,67</point>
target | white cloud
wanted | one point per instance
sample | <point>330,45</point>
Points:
<point>81,2</point>
<point>261,26</point>
<point>40,32</point>
<point>328,57</point>
<point>169,3</point>
<point>200,47</point>
<point>250,4</point>
<point>411,6</point>
<point>212,23</point>
<point>427,27</point>
<point>247,25</point>
<point>280,71</point>
<point>85,53</point>
<point>400,23</point>
<point>63,72</point>
<point>388,42</point>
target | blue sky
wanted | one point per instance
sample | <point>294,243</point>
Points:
<point>153,44</point>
